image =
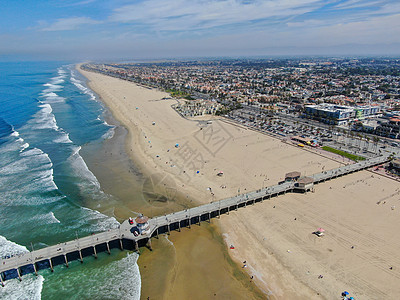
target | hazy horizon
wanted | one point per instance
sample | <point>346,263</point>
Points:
<point>150,29</point>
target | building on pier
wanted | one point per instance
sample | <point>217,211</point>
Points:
<point>305,184</point>
<point>124,236</point>
<point>142,223</point>
<point>292,176</point>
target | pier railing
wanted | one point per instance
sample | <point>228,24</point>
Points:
<point>29,262</point>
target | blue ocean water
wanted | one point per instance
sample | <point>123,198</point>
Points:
<point>46,115</point>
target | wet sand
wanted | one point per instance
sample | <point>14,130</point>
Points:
<point>283,255</point>
<point>194,264</point>
<point>169,271</point>
<point>129,190</point>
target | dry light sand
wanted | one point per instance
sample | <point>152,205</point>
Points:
<point>281,253</point>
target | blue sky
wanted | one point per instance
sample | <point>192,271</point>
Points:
<point>121,29</point>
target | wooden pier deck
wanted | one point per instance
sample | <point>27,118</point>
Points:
<point>123,237</point>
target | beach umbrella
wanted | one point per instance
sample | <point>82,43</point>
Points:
<point>320,229</point>
<point>351,298</point>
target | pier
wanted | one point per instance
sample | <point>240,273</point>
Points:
<point>127,237</point>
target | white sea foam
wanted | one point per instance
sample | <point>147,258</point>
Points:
<point>82,170</point>
<point>52,88</point>
<point>44,118</point>
<point>30,287</point>
<point>119,279</point>
<point>63,139</point>
<point>102,223</point>
<point>54,217</point>
<point>57,80</point>
<point>52,97</point>
<point>38,174</point>
<point>109,134</point>
<point>15,133</point>
<point>85,90</point>
<point>34,152</point>
<point>48,218</point>
<point>24,146</point>
<point>10,248</point>
<point>169,241</point>
<point>76,151</point>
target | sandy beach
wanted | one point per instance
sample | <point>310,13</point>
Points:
<point>359,252</point>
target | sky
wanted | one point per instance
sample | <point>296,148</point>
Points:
<point>149,29</point>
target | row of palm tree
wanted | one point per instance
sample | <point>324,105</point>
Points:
<point>358,137</point>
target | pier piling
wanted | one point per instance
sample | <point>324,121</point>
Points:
<point>148,244</point>
<point>34,268</point>
<point>19,274</point>
<point>209,210</point>
<point>51,265</point>
<point>66,260</point>
<point>80,255</point>
<point>108,248</point>
<point>136,246</point>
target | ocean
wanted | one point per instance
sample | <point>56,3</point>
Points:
<point>47,192</point>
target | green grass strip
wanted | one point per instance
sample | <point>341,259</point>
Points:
<point>343,153</point>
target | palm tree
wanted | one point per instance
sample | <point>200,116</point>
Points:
<point>359,138</point>
<point>351,134</point>
<point>376,141</point>
<point>367,141</point>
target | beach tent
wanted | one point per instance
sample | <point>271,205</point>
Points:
<point>319,232</point>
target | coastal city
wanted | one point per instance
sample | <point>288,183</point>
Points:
<point>352,104</point>
<point>360,94</point>
<point>200,149</point>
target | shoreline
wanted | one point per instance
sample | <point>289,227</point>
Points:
<point>146,164</point>
<point>273,237</point>
<point>149,262</point>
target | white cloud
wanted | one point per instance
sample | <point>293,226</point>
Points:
<point>351,4</point>
<point>376,30</point>
<point>181,15</point>
<point>306,23</point>
<point>69,24</point>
